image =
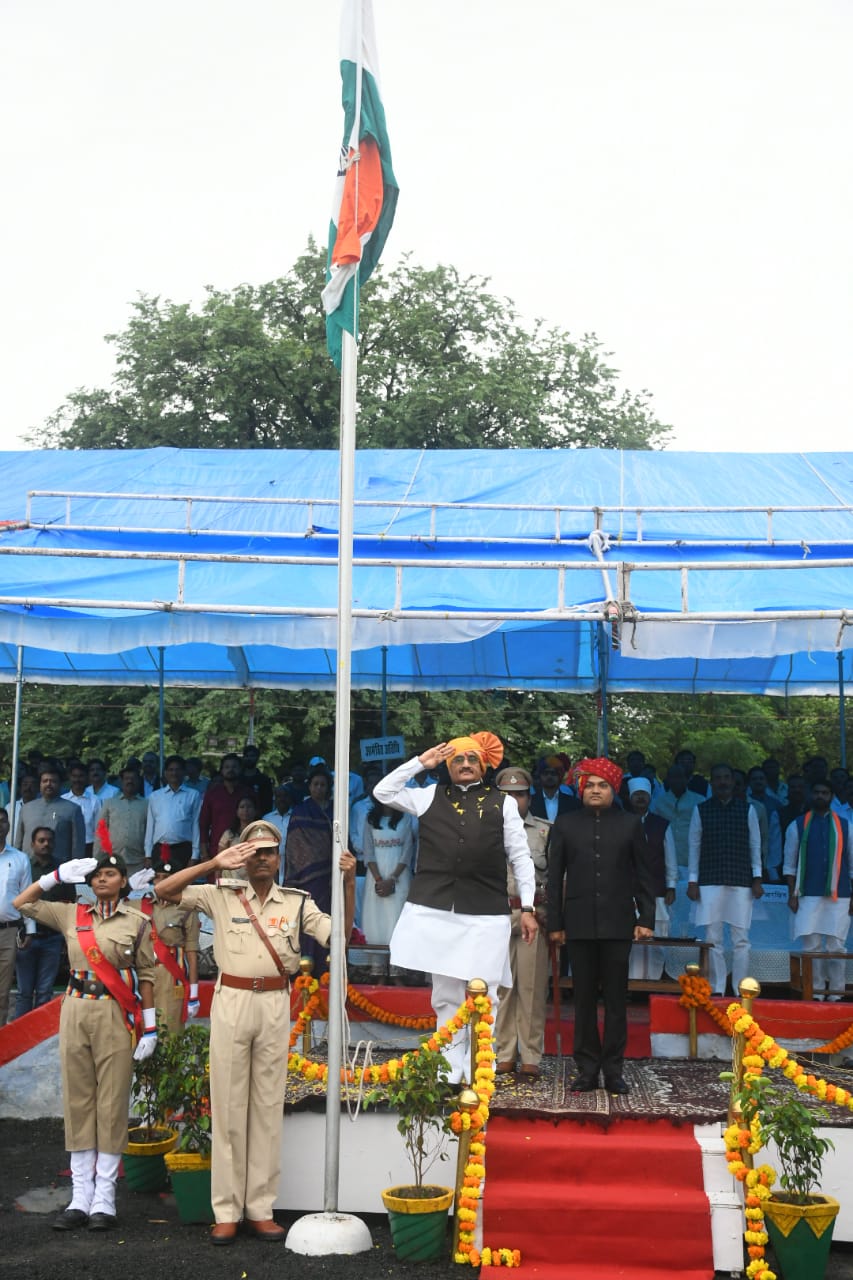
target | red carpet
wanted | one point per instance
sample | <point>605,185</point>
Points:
<point>621,1203</point>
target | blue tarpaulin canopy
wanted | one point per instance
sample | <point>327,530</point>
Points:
<point>473,569</point>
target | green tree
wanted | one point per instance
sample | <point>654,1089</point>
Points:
<point>444,363</point>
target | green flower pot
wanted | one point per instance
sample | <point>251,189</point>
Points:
<point>190,1175</point>
<point>418,1220</point>
<point>801,1235</point>
<point>144,1168</point>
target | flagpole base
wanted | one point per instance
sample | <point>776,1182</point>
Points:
<point>317,1234</point>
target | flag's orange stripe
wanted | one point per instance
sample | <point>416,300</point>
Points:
<point>370,191</point>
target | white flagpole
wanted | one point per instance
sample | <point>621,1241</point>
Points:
<point>333,1232</point>
<point>343,687</point>
<point>343,692</point>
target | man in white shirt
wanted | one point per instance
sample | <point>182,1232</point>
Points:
<point>173,814</point>
<point>15,877</point>
<point>455,922</point>
<point>81,795</point>
<point>279,817</point>
<point>98,785</point>
<point>676,804</point>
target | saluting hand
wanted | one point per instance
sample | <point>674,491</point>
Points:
<point>75,870</point>
<point>434,755</point>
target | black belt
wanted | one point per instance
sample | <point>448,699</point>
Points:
<point>10,924</point>
<point>88,987</point>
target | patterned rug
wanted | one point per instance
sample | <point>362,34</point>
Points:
<point>681,1090</point>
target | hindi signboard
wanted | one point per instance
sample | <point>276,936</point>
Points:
<point>391,748</point>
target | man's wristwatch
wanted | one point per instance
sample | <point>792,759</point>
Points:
<point>529,910</point>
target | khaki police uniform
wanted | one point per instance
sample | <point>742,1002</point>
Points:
<point>249,1032</point>
<point>95,1045</point>
<point>176,927</point>
<point>520,1021</point>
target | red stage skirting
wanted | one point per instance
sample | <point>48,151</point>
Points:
<point>25,1033</point>
<point>784,1020</point>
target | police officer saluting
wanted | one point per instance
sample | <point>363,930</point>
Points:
<point>111,959</point>
<point>256,928</point>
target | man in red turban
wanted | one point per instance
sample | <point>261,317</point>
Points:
<point>608,902</point>
<point>456,921</point>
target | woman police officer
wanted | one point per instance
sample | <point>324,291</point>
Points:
<point>111,962</point>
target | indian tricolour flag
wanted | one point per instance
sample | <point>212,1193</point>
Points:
<point>366,189</point>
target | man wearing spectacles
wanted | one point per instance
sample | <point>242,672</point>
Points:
<point>456,921</point>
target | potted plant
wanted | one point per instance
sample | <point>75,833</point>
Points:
<point>183,1095</point>
<point>417,1212</point>
<point>799,1218</point>
<point>149,1137</point>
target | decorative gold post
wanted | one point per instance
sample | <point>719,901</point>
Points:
<point>749,989</point>
<point>467,1101</point>
<point>306,968</point>
<point>475,987</point>
<point>693,971</point>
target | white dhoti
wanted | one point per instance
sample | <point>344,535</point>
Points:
<point>454,948</point>
<point>821,924</point>
<point>720,905</point>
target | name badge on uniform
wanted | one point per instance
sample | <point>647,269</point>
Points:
<point>239,919</point>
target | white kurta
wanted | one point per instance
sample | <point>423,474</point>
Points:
<point>730,903</point>
<point>452,943</point>
<point>817,914</point>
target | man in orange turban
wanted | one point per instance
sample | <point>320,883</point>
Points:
<point>456,922</point>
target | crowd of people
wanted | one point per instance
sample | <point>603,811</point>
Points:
<point>467,866</point>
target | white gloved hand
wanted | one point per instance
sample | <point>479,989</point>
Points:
<point>140,879</point>
<point>146,1046</point>
<point>193,1009</point>
<point>76,869</point>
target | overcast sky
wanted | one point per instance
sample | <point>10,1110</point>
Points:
<point>673,175</point>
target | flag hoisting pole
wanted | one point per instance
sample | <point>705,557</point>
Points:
<point>340,819</point>
<point>365,198</point>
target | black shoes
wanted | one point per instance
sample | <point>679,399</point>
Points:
<point>616,1085</point>
<point>101,1221</point>
<point>69,1220</point>
<point>584,1084</point>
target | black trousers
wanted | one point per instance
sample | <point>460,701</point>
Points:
<point>600,963</point>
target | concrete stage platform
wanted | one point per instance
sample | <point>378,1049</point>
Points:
<point>665,1086</point>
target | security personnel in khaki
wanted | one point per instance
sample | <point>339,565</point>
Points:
<point>110,953</point>
<point>256,928</point>
<point>520,1023</point>
<point>176,933</point>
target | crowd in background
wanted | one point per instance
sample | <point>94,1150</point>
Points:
<point>69,808</point>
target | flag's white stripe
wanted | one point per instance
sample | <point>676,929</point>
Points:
<point>358,36</point>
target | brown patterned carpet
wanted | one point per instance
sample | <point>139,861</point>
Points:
<point>680,1090</point>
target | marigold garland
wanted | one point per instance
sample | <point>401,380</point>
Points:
<point>387,1015</point>
<point>696,994</point>
<point>475,1169</point>
<point>761,1050</point>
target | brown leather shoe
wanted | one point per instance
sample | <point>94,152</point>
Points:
<point>530,1070</point>
<point>504,1068</point>
<point>268,1230</point>
<point>223,1232</point>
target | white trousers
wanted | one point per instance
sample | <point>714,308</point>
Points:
<point>826,973</point>
<point>718,969</point>
<point>447,995</point>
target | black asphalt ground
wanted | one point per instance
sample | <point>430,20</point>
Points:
<point>151,1244</point>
